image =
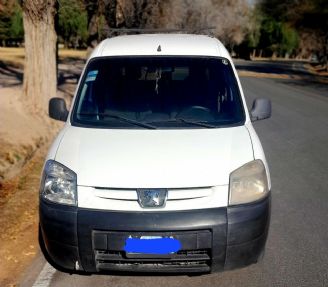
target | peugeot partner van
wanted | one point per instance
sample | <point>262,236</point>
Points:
<point>158,167</point>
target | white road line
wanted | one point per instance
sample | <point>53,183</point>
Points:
<point>45,276</point>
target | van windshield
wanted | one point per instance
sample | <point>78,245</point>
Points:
<point>158,92</point>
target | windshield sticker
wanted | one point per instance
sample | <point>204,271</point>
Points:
<point>92,75</point>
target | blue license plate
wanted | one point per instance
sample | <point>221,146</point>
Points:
<point>152,245</point>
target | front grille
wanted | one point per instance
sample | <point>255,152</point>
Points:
<point>185,260</point>
<point>191,260</point>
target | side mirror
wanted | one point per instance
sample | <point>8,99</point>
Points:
<point>57,109</point>
<point>261,109</point>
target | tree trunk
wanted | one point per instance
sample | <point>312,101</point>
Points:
<point>261,52</point>
<point>326,51</point>
<point>254,53</point>
<point>40,78</point>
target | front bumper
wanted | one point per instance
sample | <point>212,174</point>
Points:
<point>212,240</point>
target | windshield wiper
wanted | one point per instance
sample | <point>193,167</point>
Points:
<point>120,118</point>
<point>201,124</point>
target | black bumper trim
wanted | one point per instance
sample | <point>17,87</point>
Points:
<point>244,254</point>
<point>155,222</point>
<point>154,268</point>
<point>247,222</point>
<point>58,241</point>
<point>238,233</point>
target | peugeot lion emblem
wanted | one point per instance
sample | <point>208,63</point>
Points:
<point>152,197</point>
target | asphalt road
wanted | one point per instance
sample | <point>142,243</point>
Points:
<point>295,140</point>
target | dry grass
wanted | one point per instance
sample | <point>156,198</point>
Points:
<point>19,220</point>
<point>263,75</point>
<point>320,79</point>
<point>15,56</point>
<point>12,56</point>
<point>68,53</point>
<point>317,69</point>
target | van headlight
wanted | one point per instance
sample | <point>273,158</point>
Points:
<point>58,183</point>
<point>248,183</point>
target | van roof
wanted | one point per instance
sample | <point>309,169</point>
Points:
<point>161,44</point>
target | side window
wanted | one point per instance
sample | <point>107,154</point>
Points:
<point>87,103</point>
<point>229,100</point>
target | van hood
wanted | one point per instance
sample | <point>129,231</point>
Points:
<point>119,158</point>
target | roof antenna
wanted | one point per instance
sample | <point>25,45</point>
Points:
<point>159,49</point>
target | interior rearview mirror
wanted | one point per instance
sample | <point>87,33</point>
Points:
<point>261,109</point>
<point>57,109</point>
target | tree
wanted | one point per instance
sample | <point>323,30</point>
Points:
<point>5,17</point>
<point>309,18</point>
<point>16,29</point>
<point>229,18</point>
<point>11,24</point>
<point>140,13</point>
<point>289,41</point>
<point>72,26</point>
<point>40,79</point>
<point>101,17</point>
<point>270,38</point>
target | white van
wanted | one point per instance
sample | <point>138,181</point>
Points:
<point>158,167</point>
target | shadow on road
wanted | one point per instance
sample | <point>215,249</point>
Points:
<point>69,70</point>
<point>272,67</point>
<point>10,75</point>
<point>304,84</point>
<point>293,73</point>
